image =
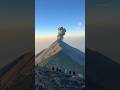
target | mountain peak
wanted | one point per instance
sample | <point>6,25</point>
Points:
<point>61,55</point>
<point>60,46</point>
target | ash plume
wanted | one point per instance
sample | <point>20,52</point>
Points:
<point>61,33</point>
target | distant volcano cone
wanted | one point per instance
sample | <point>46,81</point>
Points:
<point>60,55</point>
<point>63,56</point>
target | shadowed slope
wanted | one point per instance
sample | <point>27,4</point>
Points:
<point>18,72</point>
<point>101,72</point>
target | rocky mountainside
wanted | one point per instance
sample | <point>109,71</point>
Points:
<point>52,80</point>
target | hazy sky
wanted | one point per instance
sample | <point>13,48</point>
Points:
<point>103,27</point>
<point>50,14</point>
<point>16,29</point>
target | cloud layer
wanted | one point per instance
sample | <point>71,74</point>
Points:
<point>44,42</point>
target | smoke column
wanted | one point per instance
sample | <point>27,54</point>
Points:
<point>61,33</point>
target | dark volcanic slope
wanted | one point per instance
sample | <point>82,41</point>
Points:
<point>60,46</point>
<point>19,74</point>
<point>101,72</point>
<point>61,60</point>
<point>61,55</point>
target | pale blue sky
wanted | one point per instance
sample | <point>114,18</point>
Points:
<point>50,14</point>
